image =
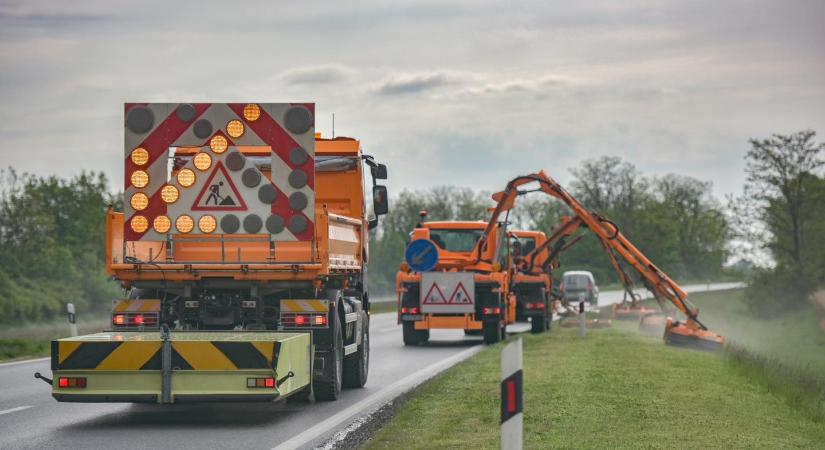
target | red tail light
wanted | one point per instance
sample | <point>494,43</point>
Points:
<point>491,311</point>
<point>300,320</point>
<point>260,382</point>
<point>414,310</point>
<point>71,382</point>
<point>404,310</point>
<point>139,319</point>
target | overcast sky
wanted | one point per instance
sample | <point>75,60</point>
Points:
<point>447,92</point>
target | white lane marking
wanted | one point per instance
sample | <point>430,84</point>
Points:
<point>14,410</point>
<point>385,394</point>
<point>25,361</point>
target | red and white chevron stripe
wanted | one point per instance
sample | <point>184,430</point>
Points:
<point>286,128</point>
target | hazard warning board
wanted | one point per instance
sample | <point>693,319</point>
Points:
<point>447,292</point>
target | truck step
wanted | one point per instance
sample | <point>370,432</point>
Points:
<point>351,317</point>
<point>350,349</point>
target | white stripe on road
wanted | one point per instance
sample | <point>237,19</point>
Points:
<point>386,394</point>
<point>14,410</point>
<point>25,361</point>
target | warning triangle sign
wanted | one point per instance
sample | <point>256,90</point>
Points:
<point>460,295</point>
<point>219,193</point>
<point>435,296</point>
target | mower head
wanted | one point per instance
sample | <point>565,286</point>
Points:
<point>653,324</point>
<point>692,335</point>
<point>626,311</point>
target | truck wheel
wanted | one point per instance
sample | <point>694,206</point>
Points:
<point>538,325</point>
<point>492,332</point>
<point>413,336</point>
<point>357,365</point>
<point>330,389</point>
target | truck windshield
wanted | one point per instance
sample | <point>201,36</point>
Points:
<point>455,240</point>
<point>522,245</point>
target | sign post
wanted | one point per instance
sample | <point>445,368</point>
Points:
<point>512,379</point>
<point>72,319</point>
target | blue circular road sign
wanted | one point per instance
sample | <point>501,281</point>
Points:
<point>421,255</point>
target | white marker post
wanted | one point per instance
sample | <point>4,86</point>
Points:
<point>512,417</point>
<point>72,319</point>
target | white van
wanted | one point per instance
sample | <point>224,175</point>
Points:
<point>579,285</point>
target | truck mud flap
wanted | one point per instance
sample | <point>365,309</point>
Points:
<point>200,366</point>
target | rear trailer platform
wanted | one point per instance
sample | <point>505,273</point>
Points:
<point>181,366</point>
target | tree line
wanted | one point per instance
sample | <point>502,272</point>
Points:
<point>52,230</point>
<point>52,236</point>
<point>673,219</point>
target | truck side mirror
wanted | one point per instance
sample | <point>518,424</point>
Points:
<point>379,172</point>
<point>380,202</point>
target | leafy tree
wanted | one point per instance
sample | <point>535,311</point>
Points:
<point>52,245</point>
<point>782,210</point>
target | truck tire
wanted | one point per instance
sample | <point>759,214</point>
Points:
<point>330,389</point>
<point>492,332</point>
<point>413,336</point>
<point>538,324</point>
<point>357,365</point>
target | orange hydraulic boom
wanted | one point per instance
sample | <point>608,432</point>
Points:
<point>688,333</point>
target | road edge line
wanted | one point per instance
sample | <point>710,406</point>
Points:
<point>24,361</point>
<point>385,395</point>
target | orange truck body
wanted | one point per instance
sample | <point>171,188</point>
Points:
<point>339,247</point>
<point>530,283</point>
<point>494,305</point>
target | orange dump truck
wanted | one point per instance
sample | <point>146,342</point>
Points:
<point>530,279</point>
<point>241,251</point>
<point>455,276</point>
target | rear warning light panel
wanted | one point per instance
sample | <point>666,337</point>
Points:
<point>304,313</point>
<point>219,169</point>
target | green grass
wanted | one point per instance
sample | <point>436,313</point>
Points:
<point>614,389</point>
<point>793,339</point>
<point>17,348</point>
<point>382,307</point>
<point>32,340</point>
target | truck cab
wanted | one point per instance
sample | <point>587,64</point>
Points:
<point>467,287</point>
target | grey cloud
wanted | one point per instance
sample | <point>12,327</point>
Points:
<point>326,74</point>
<point>414,84</point>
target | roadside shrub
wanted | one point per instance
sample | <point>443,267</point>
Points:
<point>772,292</point>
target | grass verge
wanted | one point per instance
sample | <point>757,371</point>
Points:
<point>613,389</point>
<point>33,340</point>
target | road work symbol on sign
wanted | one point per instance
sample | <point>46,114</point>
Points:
<point>460,295</point>
<point>447,292</point>
<point>434,296</point>
<point>219,193</point>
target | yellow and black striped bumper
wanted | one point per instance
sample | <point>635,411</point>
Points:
<point>206,366</point>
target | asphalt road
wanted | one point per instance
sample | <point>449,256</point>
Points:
<point>30,418</point>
